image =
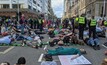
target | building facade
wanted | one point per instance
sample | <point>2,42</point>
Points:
<point>29,8</point>
<point>88,8</point>
<point>45,8</point>
<point>67,8</point>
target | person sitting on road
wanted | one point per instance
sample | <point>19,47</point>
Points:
<point>48,60</point>
<point>5,63</point>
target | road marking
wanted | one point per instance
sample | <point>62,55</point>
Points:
<point>45,47</point>
<point>7,50</point>
<point>40,58</point>
<point>104,46</point>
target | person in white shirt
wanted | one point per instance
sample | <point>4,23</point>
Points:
<point>48,60</point>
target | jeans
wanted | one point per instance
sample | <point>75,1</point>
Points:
<point>22,28</point>
<point>93,42</point>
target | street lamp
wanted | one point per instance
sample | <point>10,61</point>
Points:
<point>18,9</point>
<point>104,9</point>
<point>17,3</point>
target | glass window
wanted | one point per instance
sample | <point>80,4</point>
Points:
<point>38,11</point>
<point>15,5</point>
<point>29,7</point>
<point>38,5</point>
<point>5,6</point>
<point>34,1</point>
<point>34,9</point>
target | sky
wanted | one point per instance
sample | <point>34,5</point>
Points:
<point>58,6</point>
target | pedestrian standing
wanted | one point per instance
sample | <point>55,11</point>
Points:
<point>66,23</point>
<point>22,25</point>
<point>72,22</point>
<point>31,23</point>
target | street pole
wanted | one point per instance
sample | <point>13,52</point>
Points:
<point>18,9</point>
<point>104,9</point>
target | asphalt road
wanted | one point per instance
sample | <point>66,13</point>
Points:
<point>33,55</point>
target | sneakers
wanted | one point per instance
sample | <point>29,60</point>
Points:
<point>36,47</point>
<point>96,47</point>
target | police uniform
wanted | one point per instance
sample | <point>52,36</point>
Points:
<point>92,28</point>
<point>81,27</point>
<point>76,22</point>
<point>41,24</point>
<point>105,24</point>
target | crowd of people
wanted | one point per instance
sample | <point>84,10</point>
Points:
<point>78,30</point>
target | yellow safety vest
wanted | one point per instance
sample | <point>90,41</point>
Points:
<point>76,19</point>
<point>81,20</point>
<point>105,23</point>
<point>43,21</point>
<point>6,20</point>
<point>40,21</point>
<point>93,23</point>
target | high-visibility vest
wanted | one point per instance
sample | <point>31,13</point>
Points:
<point>105,23</point>
<point>93,22</point>
<point>40,21</point>
<point>43,21</point>
<point>81,20</point>
<point>76,19</point>
<point>6,20</point>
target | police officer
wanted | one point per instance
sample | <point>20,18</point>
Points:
<point>105,24</point>
<point>82,25</point>
<point>92,27</point>
<point>76,22</point>
<point>41,24</point>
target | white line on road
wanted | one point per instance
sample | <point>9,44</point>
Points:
<point>45,47</point>
<point>104,46</point>
<point>7,50</point>
<point>40,58</point>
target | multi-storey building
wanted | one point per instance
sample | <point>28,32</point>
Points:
<point>74,8</point>
<point>97,8</point>
<point>30,8</point>
<point>67,8</point>
<point>89,8</point>
<point>45,8</point>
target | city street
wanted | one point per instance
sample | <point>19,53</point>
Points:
<point>53,32</point>
<point>35,56</point>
